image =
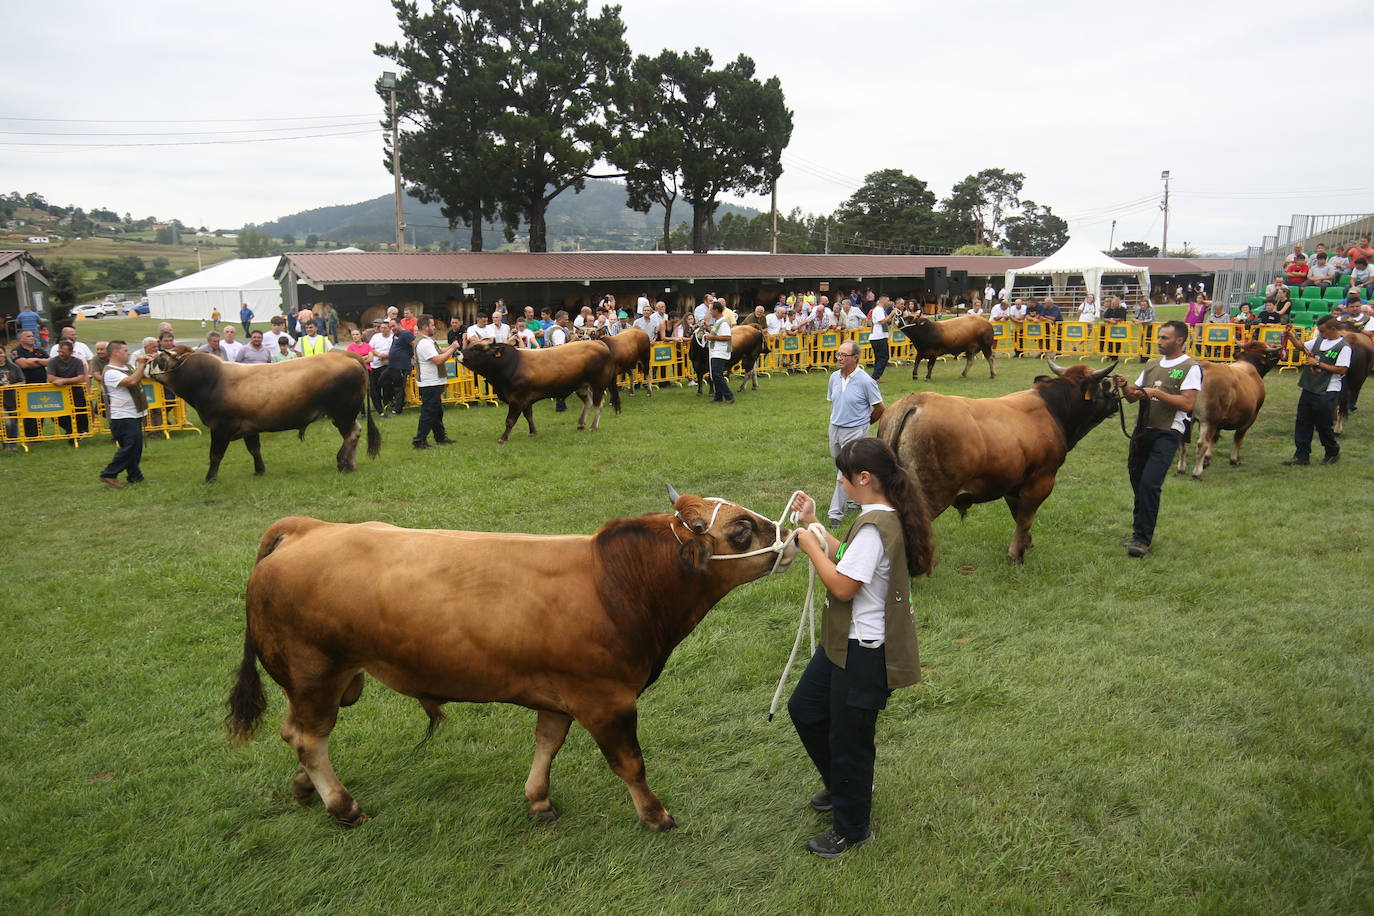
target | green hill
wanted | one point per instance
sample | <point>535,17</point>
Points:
<point>597,218</point>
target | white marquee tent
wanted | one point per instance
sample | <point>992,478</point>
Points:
<point>1079,257</point>
<point>226,286</point>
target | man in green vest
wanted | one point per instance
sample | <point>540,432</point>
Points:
<point>1168,388</point>
<point>1328,359</point>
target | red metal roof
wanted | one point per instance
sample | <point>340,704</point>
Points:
<point>7,256</point>
<point>490,267</point>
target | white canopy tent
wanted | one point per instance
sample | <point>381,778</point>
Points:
<point>1079,257</point>
<point>226,286</point>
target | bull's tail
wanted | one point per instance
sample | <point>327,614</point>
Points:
<point>894,421</point>
<point>374,435</point>
<point>615,395</point>
<point>247,702</point>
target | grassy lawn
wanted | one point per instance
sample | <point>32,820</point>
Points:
<point>187,330</point>
<point>1185,733</point>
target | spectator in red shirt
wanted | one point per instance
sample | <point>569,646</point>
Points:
<point>1360,250</point>
<point>1295,274</point>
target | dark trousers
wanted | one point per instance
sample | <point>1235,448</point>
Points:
<point>393,389</point>
<point>1316,411</point>
<point>247,330</point>
<point>879,357</point>
<point>835,713</point>
<point>1152,452</point>
<point>374,384</point>
<point>431,414</point>
<point>128,437</point>
<point>83,420</point>
<point>719,385</point>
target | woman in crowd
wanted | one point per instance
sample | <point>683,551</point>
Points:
<point>1218,313</point>
<point>1088,310</point>
<point>358,346</point>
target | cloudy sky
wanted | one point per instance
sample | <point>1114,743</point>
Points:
<point>129,106</point>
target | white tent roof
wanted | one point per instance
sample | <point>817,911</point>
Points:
<point>225,286</point>
<point>1080,257</point>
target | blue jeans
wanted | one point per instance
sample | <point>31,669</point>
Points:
<point>719,385</point>
<point>1152,452</point>
<point>128,437</point>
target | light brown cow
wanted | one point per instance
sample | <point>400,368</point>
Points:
<point>964,451</point>
<point>522,377</point>
<point>578,636</point>
<point>1231,397</point>
<point>630,350</point>
<point>966,336</point>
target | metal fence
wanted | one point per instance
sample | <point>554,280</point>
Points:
<point>1248,275</point>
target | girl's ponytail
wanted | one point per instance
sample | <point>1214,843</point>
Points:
<point>877,458</point>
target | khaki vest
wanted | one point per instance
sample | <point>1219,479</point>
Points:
<point>1325,352</point>
<point>899,642</point>
<point>1156,414</point>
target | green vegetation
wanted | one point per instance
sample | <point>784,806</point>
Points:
<point>1188,733</point>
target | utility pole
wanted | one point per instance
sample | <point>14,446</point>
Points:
<point>773,247</point>
<point>1112,238</point>
<point>827,236</point>
<point>389,82</point>
<point>196,249</point>
<point>1164,248</point>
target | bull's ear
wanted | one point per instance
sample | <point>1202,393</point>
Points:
<point>695,554</point>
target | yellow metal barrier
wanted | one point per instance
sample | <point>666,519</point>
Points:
<point>865,349</point>
<point>1039,336</point>
<point>1002,337</point>
<point>31,408</point>
<point>1076,338</point>
<point>791,355</point>
<point>1117,341</point>
<point>166,412</point>
<point>666,362</point>
<point>1214,341</point>
<point>898,347</point>
<point>822,346</point>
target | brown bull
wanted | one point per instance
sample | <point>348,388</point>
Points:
<point>1231,397</point>
<point>578,637</point>
<point>630,350</point>
<point>1361,363</point>
<point>238,401</point>
<point>974,450</point>
<point>748,344</point>
<point>966,336</point>
<point>522,377</point>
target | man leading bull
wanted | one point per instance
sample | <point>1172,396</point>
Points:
<point>1168,385</point>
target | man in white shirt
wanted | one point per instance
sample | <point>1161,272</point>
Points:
<point>230,344</point>
<point>853,318</point>
<point>1321,379</point>
<point>1017,316</point>
<point>880,316</point>
<point>127,408</point>
<point>1168,388</point>
<point>777,322</point>
<point>660,317</point>
<point>585,318</point>
<point>500,331</point>
<point>380,342</point>
<point>79,350</point>
<point>430,379</point>
<point>702,310</point>
<point>643,305</point>
<point>270,338</point>
<point>989,294</point>
<point>719,353</point>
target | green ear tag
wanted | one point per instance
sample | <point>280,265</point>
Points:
<point>839,554</point>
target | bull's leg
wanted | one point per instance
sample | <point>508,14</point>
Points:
<point>512,414</point>
<point>930,367</point>
<point>992,366</point>
<point>1238,439</point>
<point>219,444</point>
<point>347,458</point>
<point>1182,464</point>
<point>254,446</point>
<point>1206,441</point>
<point>309,720</point>
<point>529,417</point>
<point>614,730</point>
<point>598,396</point>
<point>1023,506</point>
<point>584,395</point>
<point>968,363</point>
<point>549,733</point>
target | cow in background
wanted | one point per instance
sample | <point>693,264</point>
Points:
<point>964,451</point>
<point>579,635</point>
<point>630,350</point>
<point>522,377</point>
<point>748,344</point>
<point>238,401</point>
<point>1231,397</point>
<point>965,336</point>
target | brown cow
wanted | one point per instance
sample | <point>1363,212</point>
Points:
<point>1361,363</point>
<point>629,349</point>
<point>965,336</point>
<point>239,401</point>
<point>1231,397</point>
<point>579,638</point>
<point>974,450</point>
<point>748,344</point>
<point>521,377</point>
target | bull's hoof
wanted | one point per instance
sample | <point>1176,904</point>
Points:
<point>258,472</point>
<point>354,817</point>
<point>502,440</point>
<point>1014,560</point>
<point>663,824</point>
<point>1235,462</point>
<point>1197,476</point>
<point>545,815</point>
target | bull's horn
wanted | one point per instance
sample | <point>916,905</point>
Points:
<point>1100,374</point>
<point>672,495</point>
<point>1054,366</point>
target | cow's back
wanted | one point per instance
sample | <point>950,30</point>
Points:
<point>1231,395</point>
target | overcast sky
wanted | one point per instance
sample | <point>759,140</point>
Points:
<point>1089,100</point>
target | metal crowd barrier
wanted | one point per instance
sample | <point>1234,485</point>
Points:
<point>72,413</point>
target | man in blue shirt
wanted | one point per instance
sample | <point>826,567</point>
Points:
<point>246,319</point>
<point>855,404</point>
<point>397,367</point>
<point>28,318</point>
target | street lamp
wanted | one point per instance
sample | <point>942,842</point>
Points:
<point>389,83</point>
<point>1164,248</point>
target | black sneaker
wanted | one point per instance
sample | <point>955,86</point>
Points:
<point>421,445</point>
<point>1296,462</point>
<point>1331,459</point>
<point>445,441</point>
<point>821,801</point>
<point>1137,549</point>
<point>830,844</point>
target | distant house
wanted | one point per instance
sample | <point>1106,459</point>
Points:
<point>38,240</point>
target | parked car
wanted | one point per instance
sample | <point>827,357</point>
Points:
<point>142,307</point>
<point>96,310</point>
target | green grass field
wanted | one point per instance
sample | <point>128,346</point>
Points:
<point>1187,733</point>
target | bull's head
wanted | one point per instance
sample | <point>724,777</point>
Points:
<point>1097,398</point>
<point>746,544</point>
<point>165,362</point>
<point>485,354</point>
<point>1261,356</point>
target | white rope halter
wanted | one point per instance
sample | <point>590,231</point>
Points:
<point>778,546</point>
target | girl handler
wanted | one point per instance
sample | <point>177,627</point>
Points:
<point>868,644</point>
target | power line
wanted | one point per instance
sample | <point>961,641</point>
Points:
<point>179,133</point>
<point>17,145</point>
<point>366,114</point>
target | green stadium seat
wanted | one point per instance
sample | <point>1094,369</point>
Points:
<point>1256,303</point>
<point>1304,320</point>
<point>1312,292</point>
<point>1344,280</point>
<point>1334,292</point>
